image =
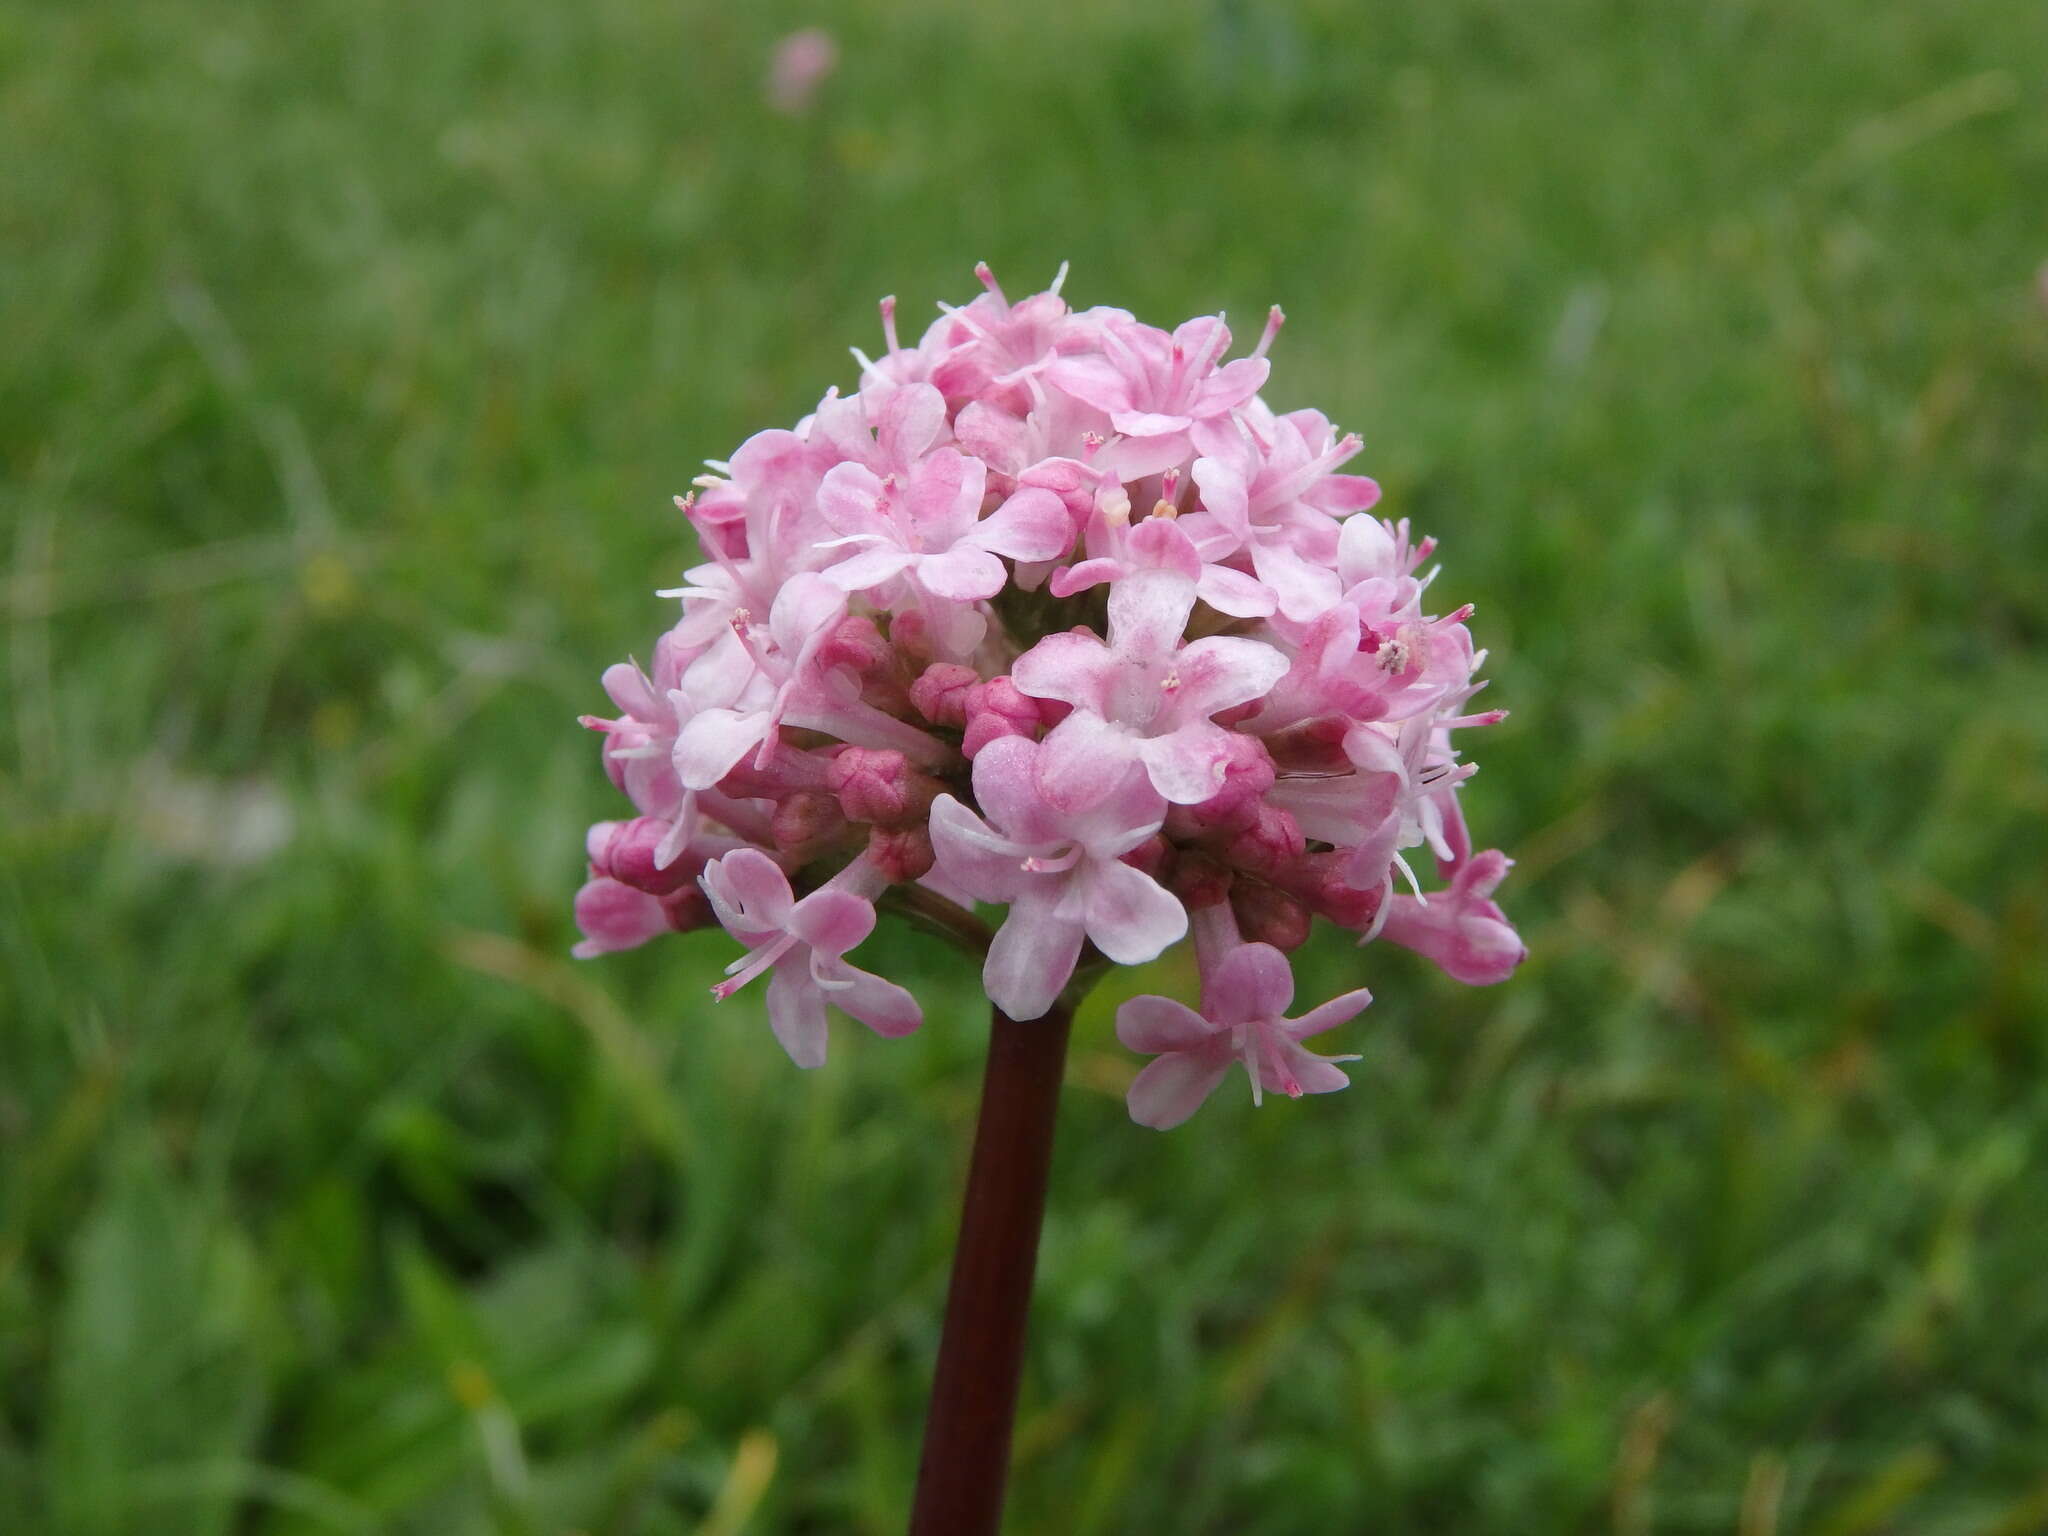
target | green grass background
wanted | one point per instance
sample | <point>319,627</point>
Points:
<point>349,352</point>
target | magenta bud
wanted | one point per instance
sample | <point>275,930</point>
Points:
<point>940,693</point>
<point>901,853</point>
<point>910,637</point>
<point>1153,857</point>
<point>1269,916</point>
<point>688,909</point>
<point>1199,881</point>
<point>879,785</point>
<point>806,819</point>
<point>856,644</point>
<point>995,709</point>
<point>613,916</point>
<point>1272,842</point>
<point>624,851</point>
<point>1318,882</point>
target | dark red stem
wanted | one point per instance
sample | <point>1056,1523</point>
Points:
<point>981,1351</point>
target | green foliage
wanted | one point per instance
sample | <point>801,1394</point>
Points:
<point>351,353</point>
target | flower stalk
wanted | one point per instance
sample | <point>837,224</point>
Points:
<point>973,1405</point>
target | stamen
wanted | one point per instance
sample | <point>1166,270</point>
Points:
<point>1059,279</point>
<point>1274,320</point>
<point>889,323</point>
<point>988,281</point>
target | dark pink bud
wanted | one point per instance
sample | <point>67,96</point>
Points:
<point>1153,857</point>
<point>1317,880</point>
<point>940,694</point>
<point>996,709</point>
<point>1199,881</point>
<point>901,853</point>
<point>806,820</point>
<point>1269,916</point>
<point>624,851</point>
<point>879,785</point>
<point>688,910</point>
<point>612,916</point>
<point>856,643</point>
<point>910,636</point>
<point>1272,842</point>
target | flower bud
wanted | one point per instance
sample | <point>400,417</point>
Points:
<point>901,853</point>
<point>1199,881</point>
<point>879,785</point>
<point>805,821</point>
<point>855,644</point>
<point>940,693</point>
<point>996,708</point>
<point>624,851</point>
<point>1266,915</point>
<point>688,909</point>
<point>1271,842</point>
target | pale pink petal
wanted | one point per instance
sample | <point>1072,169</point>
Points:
<point>962,574</point>
<point>1232,384</point>
<point>1075,668</point>
<point>1253,982</point>
<point>1311,1073</point>
<point>711,745</point>
<point>1221,671</point>
<point>911,420</point>
<point>989,867</point>
<point>883,1006</point>
<point>1235,593</point>
<point>749,892</point>
<point>1031,525</point>
<point>1006,787</point>
<point>1148,423</point>
<point>847,500</point>
<point>1082,759</point>
<point>1032,958</point>
<point>831,921</point>
<point>1188,766</point>
<point>1148,614</point>
<point>869,569</point>
<point>1338,1010</point>
<point>1091,379</point>
<point>1130,916</point>
<point>796,1012</point>
<point>1174,1087</point>
<point>1156,1024</point>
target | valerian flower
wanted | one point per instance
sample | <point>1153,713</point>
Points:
<point>1051,611</point>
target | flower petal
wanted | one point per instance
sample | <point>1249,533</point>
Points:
<point>796,1012</point>
<point>1174,1087</point>
<point>1155,1025</point>
<point>1032,958</point>
<point>1131,917</point>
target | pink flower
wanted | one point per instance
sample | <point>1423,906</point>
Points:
<point>1155,387</point>
<point>801,63</point>
<point>1052,610</point>
<point>1244,1003</point>
<point>1144,696</point>
<point>1061,872</point>
<point>926,524</point>
<point>1460,928</point>
<point>804,943</point>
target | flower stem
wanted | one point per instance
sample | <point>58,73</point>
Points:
<point>981,1351</point>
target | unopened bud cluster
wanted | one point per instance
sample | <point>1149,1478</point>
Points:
<point>1052,612</point>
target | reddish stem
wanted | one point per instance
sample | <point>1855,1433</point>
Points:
<point>981,1351</point>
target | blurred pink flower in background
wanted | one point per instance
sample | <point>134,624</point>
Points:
<point>801,63</point>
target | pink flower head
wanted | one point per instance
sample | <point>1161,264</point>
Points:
<point>803,944</point>
<point>801,63</point>
<point>1242,1021</point>
<point>1053,611</point>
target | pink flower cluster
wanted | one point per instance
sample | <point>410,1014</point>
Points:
<point>1054,612</point>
